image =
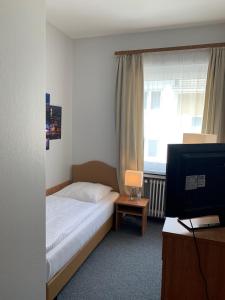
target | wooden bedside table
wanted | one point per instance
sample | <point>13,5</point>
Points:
<point>132,207</point>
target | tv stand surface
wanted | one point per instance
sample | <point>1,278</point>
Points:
<point>201,223</point>
<point>181,277</point>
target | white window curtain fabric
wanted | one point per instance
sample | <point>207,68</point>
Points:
<point>129,115</point>
<point>214,110</point>
<point>174,93</point>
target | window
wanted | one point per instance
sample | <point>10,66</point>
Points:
<point>155,99</point>
<point>146,100</point>
<point>196,121</point>
<point>174,88</point>
<point>152,148</point>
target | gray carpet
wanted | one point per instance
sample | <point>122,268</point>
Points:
<point>125,266</point>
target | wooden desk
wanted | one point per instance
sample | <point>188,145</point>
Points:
<point>181,279</point>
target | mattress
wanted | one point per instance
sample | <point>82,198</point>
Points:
<point>68,245</point>
<point>64,215</point>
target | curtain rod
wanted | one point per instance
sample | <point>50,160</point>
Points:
<point>139,51</point>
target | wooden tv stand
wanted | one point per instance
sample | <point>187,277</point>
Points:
<point>181,278</point>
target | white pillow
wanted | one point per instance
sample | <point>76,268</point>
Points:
<point>85,191</point>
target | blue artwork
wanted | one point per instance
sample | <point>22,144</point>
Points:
<point>53,121</point>
<point>47,123</point>
<point>55,115</point>
<point>47,99</point>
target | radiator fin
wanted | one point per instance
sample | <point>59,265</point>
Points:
<point>154,189</point>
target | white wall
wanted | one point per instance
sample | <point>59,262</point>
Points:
<point>94,84</point>
<point>59,85</point>
<point>22,116</point>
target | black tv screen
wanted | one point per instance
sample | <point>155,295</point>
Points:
<point>195,180</point>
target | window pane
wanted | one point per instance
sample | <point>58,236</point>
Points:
<point>152,147</point>
<point>196,121</point>
<point>175,85</point>
<point>155,99</point>
<point>145,99</point>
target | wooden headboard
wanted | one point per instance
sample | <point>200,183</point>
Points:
<point>97,172</point>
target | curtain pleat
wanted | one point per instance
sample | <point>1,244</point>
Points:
<point>129,115</point>
<point>214,109</point>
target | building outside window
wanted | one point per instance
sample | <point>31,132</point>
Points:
<point>155,99</point>
<point>196,121</point>
<point>152,148</point>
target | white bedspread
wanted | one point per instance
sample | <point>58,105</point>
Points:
<point>63,215</point>
<point>70,245</point>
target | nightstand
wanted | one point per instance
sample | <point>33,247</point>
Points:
<point>132,207</point>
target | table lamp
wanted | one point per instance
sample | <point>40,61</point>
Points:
<point>134,180</point>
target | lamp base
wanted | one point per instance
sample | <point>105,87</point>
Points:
<point>135,193</point>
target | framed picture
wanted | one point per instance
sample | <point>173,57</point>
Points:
<point>47,99</point>
<point>47,144</point>
<point>53,121</point>
<point>47,123</point>
<point>55,116</point>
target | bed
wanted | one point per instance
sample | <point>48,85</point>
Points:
<point>66,257</point>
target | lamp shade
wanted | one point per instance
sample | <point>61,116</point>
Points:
<point>133,178</point>
<point>199,138</point>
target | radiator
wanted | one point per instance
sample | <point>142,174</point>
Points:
<point>154,189</point>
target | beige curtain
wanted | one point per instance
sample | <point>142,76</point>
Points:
<point>129,115</point>
<point>214,109</point>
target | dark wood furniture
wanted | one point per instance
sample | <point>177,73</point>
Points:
<point>132,207</point>
<point>92,171</point>
<point>181,278</point>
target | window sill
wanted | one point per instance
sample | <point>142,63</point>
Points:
<point>154,174</point>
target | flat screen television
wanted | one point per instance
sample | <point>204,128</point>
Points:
<point>195,182</point>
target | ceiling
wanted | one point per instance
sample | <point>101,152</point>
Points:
<point>90,18</point>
